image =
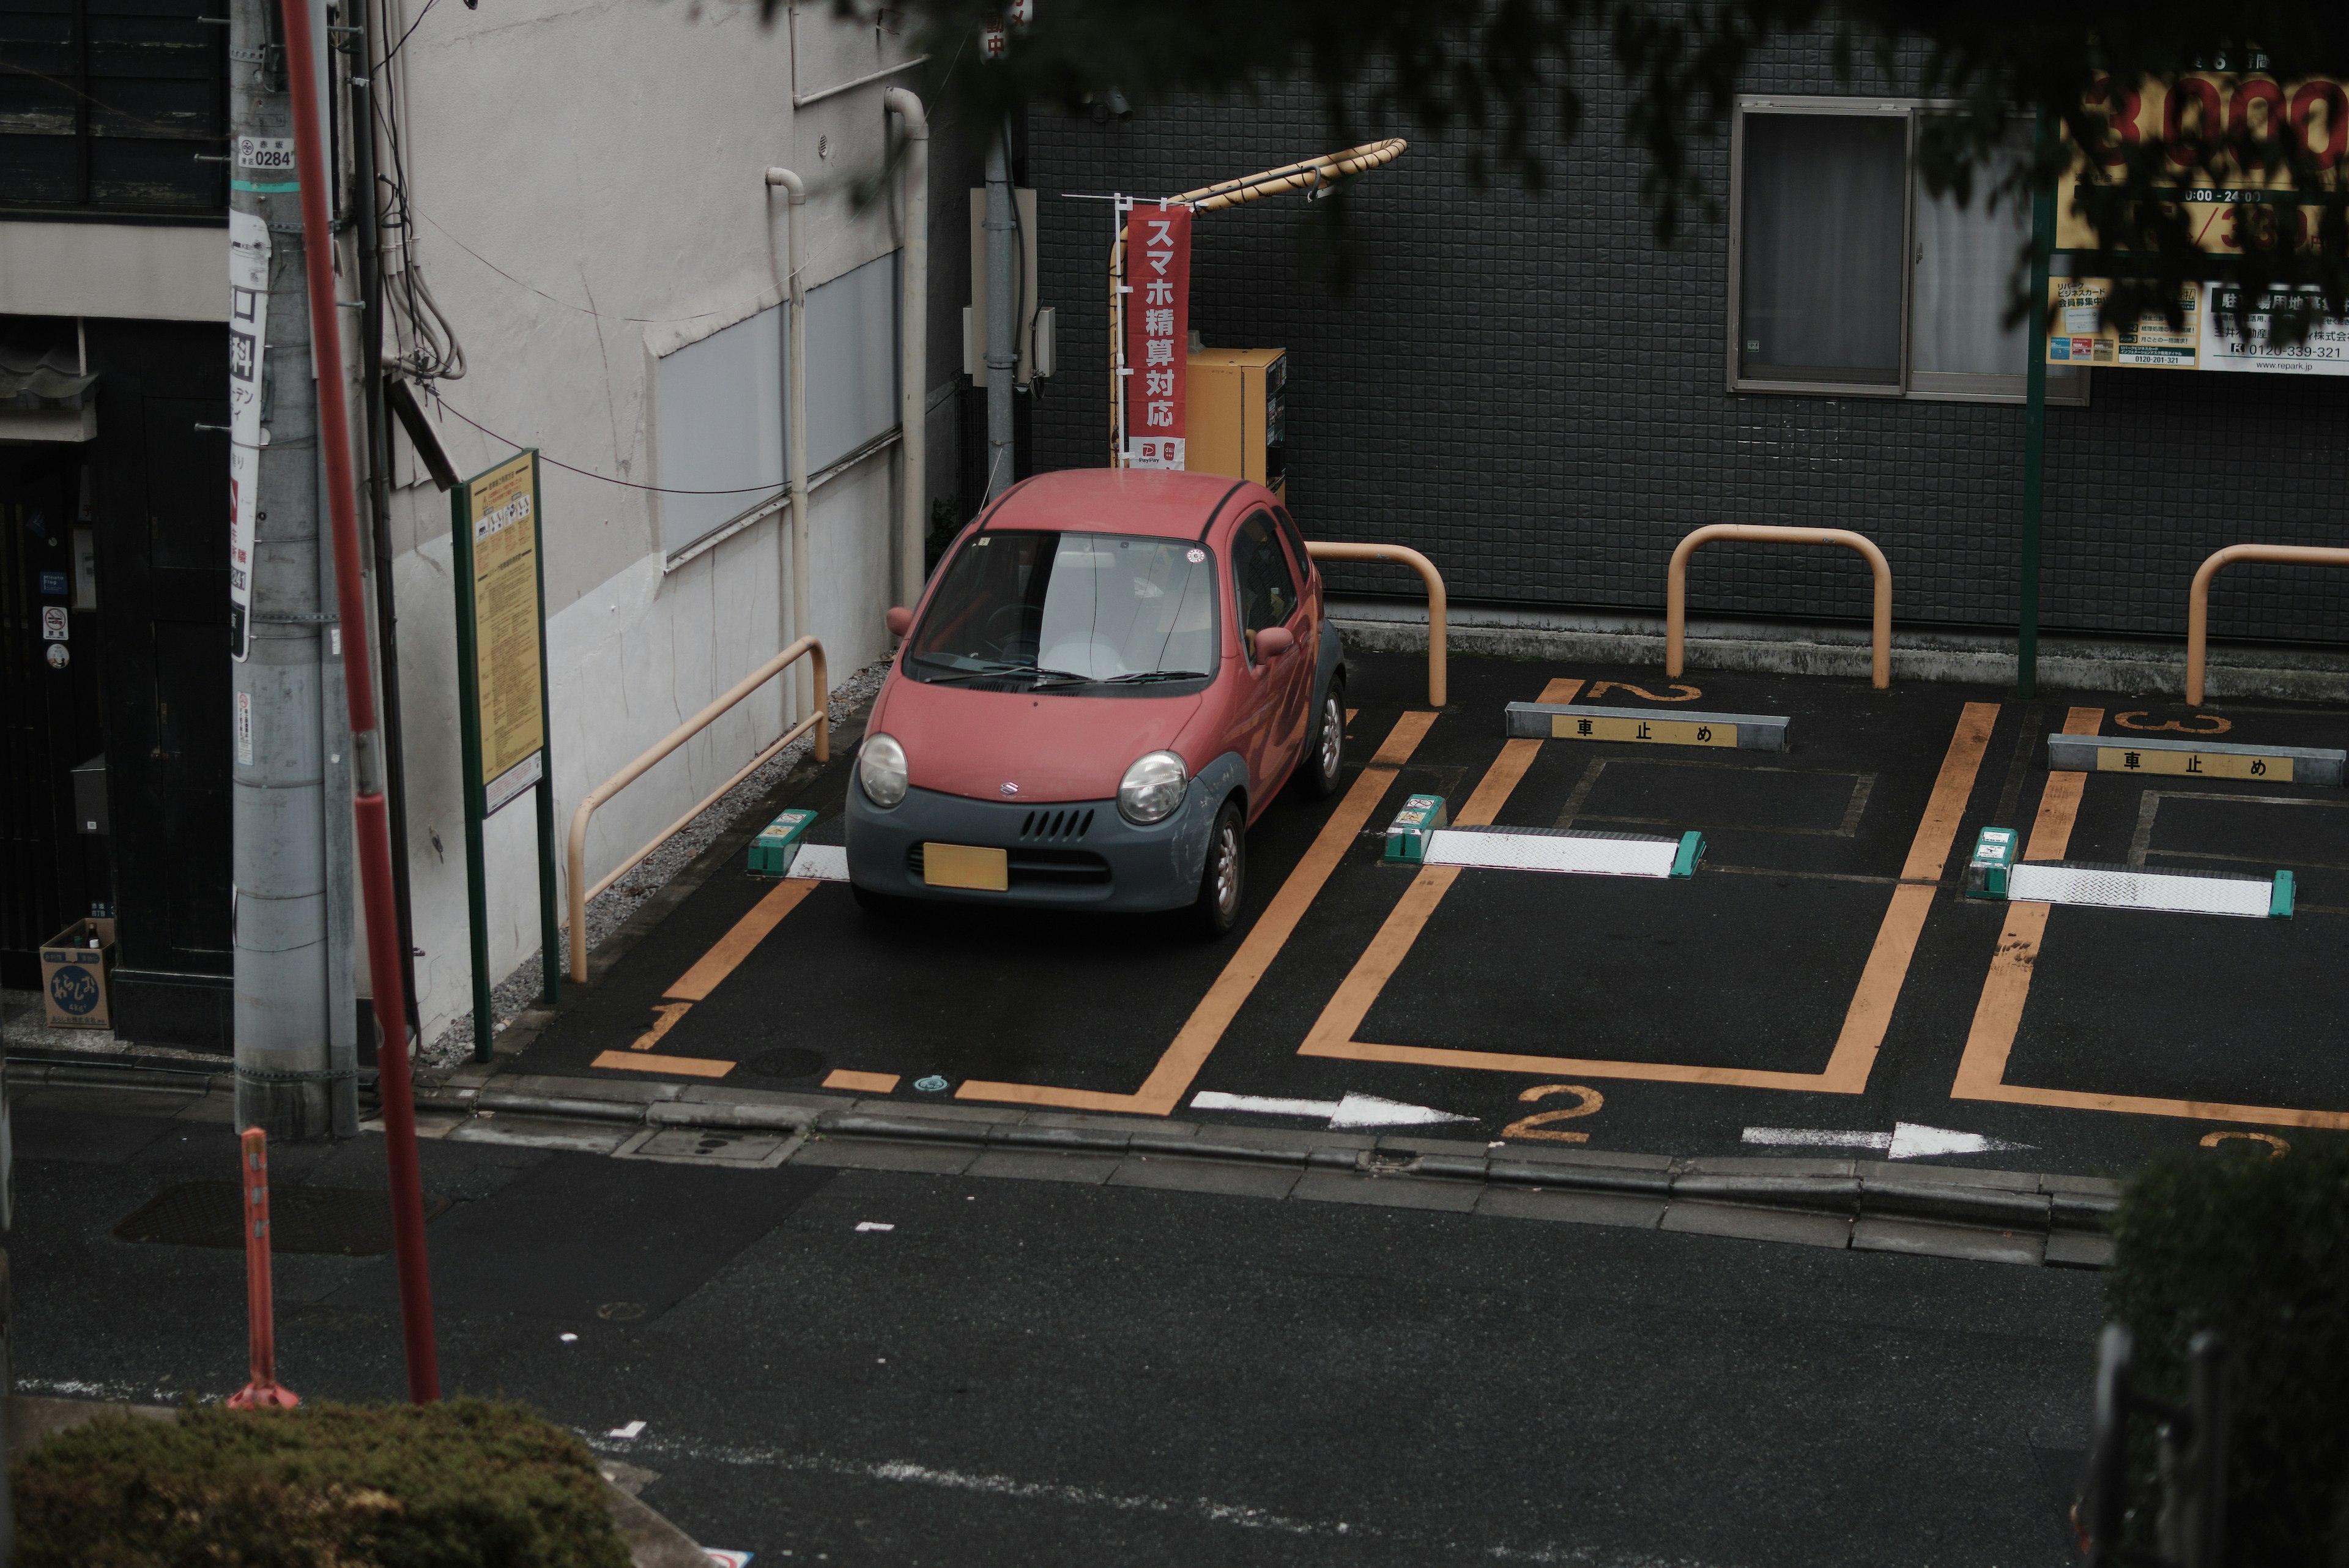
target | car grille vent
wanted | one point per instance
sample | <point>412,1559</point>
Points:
<point>1045,826</point>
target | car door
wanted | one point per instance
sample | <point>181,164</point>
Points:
<point>1272,714</point>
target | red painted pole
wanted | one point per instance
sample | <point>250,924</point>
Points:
<point>261,1391</point>
<point>369,811</point>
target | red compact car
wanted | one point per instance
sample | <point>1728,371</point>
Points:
<point>1113,673</point>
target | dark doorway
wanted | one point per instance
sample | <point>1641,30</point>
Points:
<point>51,699</point>
<point>160,499</point>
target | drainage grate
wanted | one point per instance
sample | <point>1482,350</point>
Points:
<point>351,1222</point>
<point>788,1062</point>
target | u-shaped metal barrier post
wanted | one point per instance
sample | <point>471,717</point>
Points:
<point>2197,600</point>
<point>575,859</point>
<point>1676,586</point>
<point>1436,683</point>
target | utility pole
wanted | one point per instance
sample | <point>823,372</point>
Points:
<point>279,756</point>
<point>1002,308</point>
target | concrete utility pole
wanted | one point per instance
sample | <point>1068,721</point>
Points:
<point>278,759</point>
<point>1002,311</point>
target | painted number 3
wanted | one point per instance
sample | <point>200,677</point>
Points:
<point>1538,1125</point>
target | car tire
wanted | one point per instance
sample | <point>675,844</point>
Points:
<point>1323,766</point>
<point>1223,877</point>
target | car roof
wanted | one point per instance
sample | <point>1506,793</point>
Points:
<point>1157,503</point>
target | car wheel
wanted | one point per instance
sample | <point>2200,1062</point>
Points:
<point>1223,880</point>
<point>1324,761</point>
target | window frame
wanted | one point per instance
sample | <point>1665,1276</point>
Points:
<point>2065,389</point>
<point>1239,590</point>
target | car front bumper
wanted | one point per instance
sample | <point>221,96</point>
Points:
<point>1063,855</point>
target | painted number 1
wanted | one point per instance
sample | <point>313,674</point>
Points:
<point>1538,1125</point>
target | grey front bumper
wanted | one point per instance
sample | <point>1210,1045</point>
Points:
<point>1064,854</point>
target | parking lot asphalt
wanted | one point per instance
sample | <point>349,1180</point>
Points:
<point>866,1367</point>
<point>1821,973</point>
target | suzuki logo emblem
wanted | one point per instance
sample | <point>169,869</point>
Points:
<point>1012,789</point>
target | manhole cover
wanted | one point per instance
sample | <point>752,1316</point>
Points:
<point>792,1063</point>
<point>351,1222</point>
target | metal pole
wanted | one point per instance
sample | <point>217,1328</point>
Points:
<point>1002,352</point>
<point>2034,426</point>
<point>372,819</point>
<point>913,346</point>
<point>468,747</point>
<point>277,760</point>
<point>378,427</point>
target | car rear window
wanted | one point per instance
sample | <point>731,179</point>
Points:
<point>1026,610</point>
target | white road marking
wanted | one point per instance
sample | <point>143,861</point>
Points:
<point>1906,1140</point>
<point>630,1430</point>
<point>873,1225</point>
<point>1353,1111</point>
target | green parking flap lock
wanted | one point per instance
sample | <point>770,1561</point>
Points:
<point>2279,900</point>
<point>772,851</point>
<point>1407,835</point>
<point>1992,864</point>
<point>1692,850</point>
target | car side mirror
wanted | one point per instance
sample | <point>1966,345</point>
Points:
<point>1273,641</point>
<point>901,621</point>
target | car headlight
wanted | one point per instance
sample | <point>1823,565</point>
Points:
<point>1152,787</point>
<point>881,769</point>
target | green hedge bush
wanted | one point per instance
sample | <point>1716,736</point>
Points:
<point>2256,1248</point>
<point>466,1483</point>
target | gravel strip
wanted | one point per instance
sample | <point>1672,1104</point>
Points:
<point>609,910</point>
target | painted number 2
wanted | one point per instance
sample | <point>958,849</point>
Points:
<point>1538,1125</point>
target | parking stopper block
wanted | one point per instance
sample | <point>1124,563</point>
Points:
<point>772,851</point>
<point>1644,726</point>
<point>1565,849</point>
<point>1407,834</point>
<point>2135,887</point>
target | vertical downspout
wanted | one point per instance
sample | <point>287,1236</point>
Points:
<point>795,425</point>
<point>378,457</point>
<point>1002,312</point>
<point>913,350</point>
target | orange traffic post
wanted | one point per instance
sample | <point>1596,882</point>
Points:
<point>263,1392</point>
<point>2198,599</point>
<point>1676,586</point>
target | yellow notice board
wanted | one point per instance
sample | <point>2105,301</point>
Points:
<point>2077,336</point>
<point>507,626</point>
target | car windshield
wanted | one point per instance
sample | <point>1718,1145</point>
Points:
<point>1038,611</point>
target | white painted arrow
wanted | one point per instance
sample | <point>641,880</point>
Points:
<point>1353,1111</point>
<point>1906,1140</point>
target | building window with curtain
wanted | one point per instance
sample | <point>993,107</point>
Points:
<point>1849,278</point>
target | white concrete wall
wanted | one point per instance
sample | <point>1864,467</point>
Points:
<point>611,156</point>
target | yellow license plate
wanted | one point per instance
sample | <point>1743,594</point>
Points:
<point>966,866</point>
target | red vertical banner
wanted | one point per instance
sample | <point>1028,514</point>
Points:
<point>1157,333</point>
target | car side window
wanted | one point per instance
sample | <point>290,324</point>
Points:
<point>1268,593</point>
<point>1297,550</point>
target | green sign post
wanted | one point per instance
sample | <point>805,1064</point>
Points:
<point>501,705</point>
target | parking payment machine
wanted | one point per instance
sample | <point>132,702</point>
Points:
<point>1237,427</point>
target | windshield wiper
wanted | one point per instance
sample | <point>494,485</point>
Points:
<point>1000,672</point>
<point>1139,675</point>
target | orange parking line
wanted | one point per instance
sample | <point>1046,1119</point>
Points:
<point>695,983</point>
<point>864,1083</point>
<point>1864,1021</point>
<point>1164,1089</point>
<point>689,1066</point>
<point>1998,1017</point>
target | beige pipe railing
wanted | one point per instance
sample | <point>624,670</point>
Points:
<point>2198,601</point>
<point>576,862</point>
<point>1436,683</point>
<point>1676,586</point>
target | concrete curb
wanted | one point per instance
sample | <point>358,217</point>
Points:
<point>1868,1205</point>
<point>2043,1205</point>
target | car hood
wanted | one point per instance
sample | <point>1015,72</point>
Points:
<point>1054,748</point>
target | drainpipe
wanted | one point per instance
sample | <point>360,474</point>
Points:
<point>1002,354</point>
<point>913,351</point>
<point>795,418</point>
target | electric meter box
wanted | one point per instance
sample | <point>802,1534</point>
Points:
<point>1234,423</point>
